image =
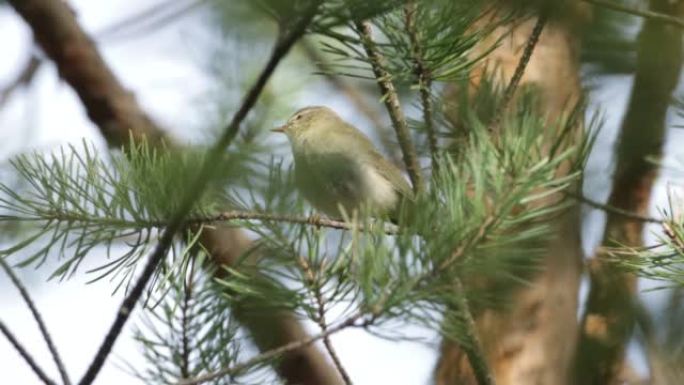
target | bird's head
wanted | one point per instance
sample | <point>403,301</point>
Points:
<point>306,120</point>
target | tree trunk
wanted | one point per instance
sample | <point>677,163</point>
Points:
<point>533,341</point>
<point>610,315</point>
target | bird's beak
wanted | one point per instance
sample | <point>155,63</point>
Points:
<point>280,129</point>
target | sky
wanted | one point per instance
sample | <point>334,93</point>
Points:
<point>165,70</point>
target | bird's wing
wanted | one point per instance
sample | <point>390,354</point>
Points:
<point>390,172</point>
<point>386,169</point>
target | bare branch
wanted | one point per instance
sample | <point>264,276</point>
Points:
<point>391,100</point>
<point>270,217</point>
<point>613,210</point>
<point>24,354</point>
<point>39,320</point>
<point>520,69</point>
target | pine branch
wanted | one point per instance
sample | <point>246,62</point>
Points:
<point>391,100</point>
<point>315,221</point>
<point>652,15</point>
<point>315,287</point>
<point>424,77</point>
<point>25,354</point>
<point>121,120</point>
<point>223,217</point>
<point>39,320</point>
<point>520,69</point>
<point>285,40</point>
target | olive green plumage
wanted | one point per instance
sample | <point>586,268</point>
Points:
<point>336,165</point>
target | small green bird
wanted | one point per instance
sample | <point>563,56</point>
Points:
<point>337,166</point>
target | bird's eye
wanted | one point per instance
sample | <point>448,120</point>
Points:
<point>298,117</point>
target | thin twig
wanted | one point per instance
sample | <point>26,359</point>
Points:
<point>422,73</point>
<point>471,342</point>
<point>39,320</point>
<point>25,355</point>
<point>657,16</point>
<point>613,210</point>
<point>520,69</point>
<point>391,100</point>
<point>315,287</point>
<point>273,353</point>
<point>144,21</point>
<point>285,40</point>
<point>24,77</point>
<point>315,221</point>
<point>227,216</point>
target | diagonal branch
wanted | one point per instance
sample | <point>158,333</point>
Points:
<point>520,69</point>
<point>315,287</point>
<point>391,100</point>
<point>422,73</point>
<point>24,353</point>
<point>39,320</point>
<point>285,40</point>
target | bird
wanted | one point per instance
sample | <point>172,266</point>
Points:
<point>337,168</point>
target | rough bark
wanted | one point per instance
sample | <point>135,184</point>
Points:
<point>533,341</point>
<point>610,314</point>
<point>119,117</point>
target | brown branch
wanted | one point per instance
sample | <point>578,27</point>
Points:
<point>223,217</point>
<point>391,100</point>
<point>520,69</point>
<point>39,320</point>
<point>609,318</point>
<point>315,286</point>
<point>25,355</point>
<point>656,16</point>
<point>422,73</point>
<point>613,210</point>
<point>271,217</point>
<point>107,103</point>
<point>273,353</point>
